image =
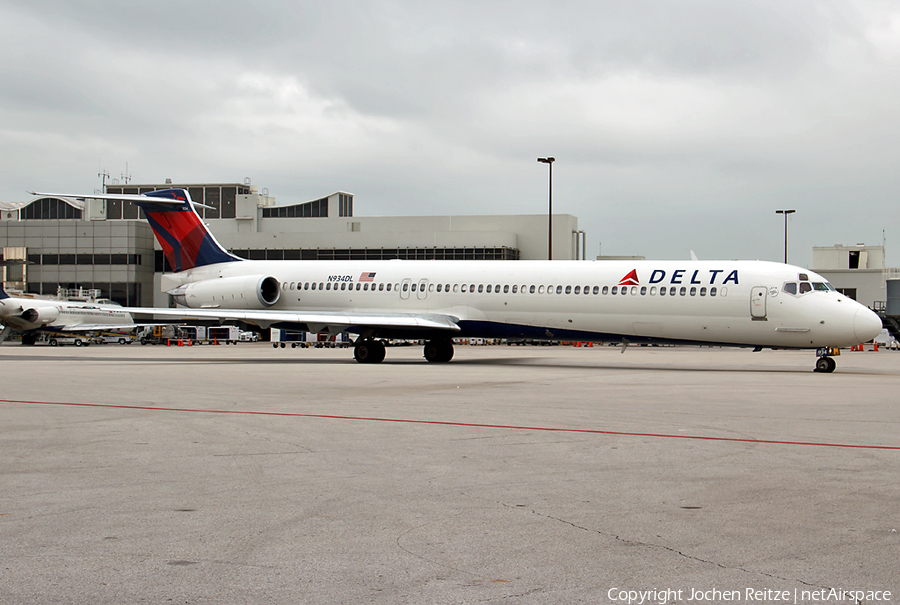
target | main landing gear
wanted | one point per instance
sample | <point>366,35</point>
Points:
<point>369,350</point>
<point>826,364</point>
<point>439,351</point>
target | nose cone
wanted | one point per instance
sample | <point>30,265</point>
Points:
<point>866,325</point>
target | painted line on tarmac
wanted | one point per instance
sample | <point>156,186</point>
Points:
<point>461,424</point>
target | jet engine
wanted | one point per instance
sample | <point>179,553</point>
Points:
<point>37,318</point>
<point>243,292</point>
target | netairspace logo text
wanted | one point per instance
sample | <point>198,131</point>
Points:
<point>748,595</point>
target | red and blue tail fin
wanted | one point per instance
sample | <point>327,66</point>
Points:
<point>185,240</point>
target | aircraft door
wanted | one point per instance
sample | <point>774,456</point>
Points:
<point>422,291</point>
<point>758,303</point>
<point>404,288</point>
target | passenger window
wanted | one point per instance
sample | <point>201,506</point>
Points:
<point>497,289</point>
<point>515,289</point>
<point>662,291</point>
<point>597,290</point>
<point>702,291</point>
<point>456,287</point>
<point>568,290</point>
<point>643,290</point>
<point>805,287</point>
<point>653,291</point>
<point>693,291</point>
<point>633,290</point>
<point>306,286</point>
<point>431,287</point>
<point>683,291</point>
<point>615,289</point>
<point>388,287</point>
<point>357,287</point>
<point>465,288</point>
<point>712,291</point>
<point>540,289</point>
<point>605,290</point>
<point>314,285</point>
<point>328,286</point>
<point>380,287</point>
<point>439,287</point>
<point>531,290</point>
<point>489,288</point>
<point>471,287</point>
<point>577,290</point>
<point>481,288</point>
<point>506,289</point>
<point>344,285</point>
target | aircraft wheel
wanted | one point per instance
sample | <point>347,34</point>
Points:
<point>825,365</point>
<point>369,351</point>
<point>439,351</point>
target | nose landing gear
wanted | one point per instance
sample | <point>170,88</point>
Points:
<point>826,364</point>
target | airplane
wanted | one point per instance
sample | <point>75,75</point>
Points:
<point>31,316</point>
<point>756,304</point>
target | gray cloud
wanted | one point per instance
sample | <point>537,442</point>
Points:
<point>676,125</point>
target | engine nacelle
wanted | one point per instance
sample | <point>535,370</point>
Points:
<point>243,292</point>
<point>39,317</point>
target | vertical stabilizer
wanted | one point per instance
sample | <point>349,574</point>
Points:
<point>185,240</point>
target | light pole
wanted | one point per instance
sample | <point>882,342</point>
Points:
<point>785,213</point>
<point>549,161</point>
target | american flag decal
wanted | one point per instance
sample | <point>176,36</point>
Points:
<point>367,276</point>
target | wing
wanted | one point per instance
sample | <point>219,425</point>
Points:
<point>93,327</point>
<point>316,321</point>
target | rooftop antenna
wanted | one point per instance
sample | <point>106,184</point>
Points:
<point>104,174</point>
<point>126,178</point>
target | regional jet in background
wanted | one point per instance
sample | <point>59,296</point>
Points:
<point>31,316</point>
<point>731,303</point>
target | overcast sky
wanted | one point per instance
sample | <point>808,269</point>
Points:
<point>676,125</point>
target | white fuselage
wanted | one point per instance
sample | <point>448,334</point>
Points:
<point>727,302</point>
<point>26,314</point>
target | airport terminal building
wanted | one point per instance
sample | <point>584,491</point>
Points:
<point>106,245</point>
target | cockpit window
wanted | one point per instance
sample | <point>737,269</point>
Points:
<point>805,287</point>
<point>790,288</point>
<point>803,277</point>
<point>822,286</point>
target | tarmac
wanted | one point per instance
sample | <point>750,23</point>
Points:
<point>515,475</point>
